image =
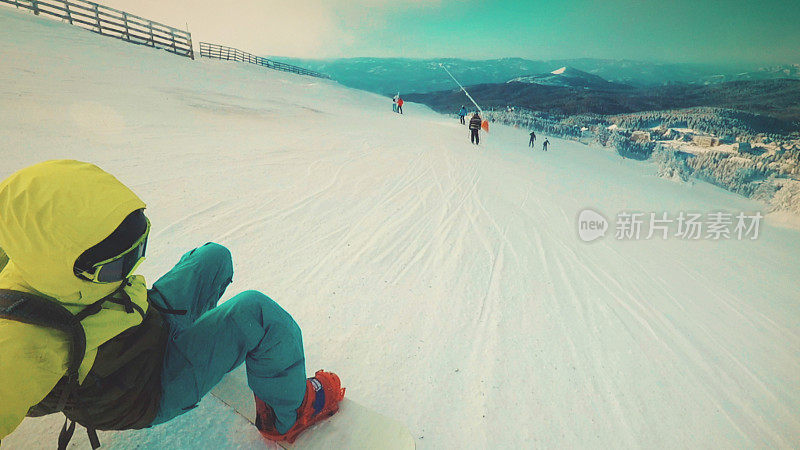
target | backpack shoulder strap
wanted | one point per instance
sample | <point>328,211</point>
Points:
<point>3,259</point>
<point>35,310</point>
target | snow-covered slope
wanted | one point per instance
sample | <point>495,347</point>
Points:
<point>568,77</point>
<point>444,282</point>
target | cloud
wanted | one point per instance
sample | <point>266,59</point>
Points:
<point>302,28</point>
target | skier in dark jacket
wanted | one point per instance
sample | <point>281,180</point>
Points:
<point>533,139</point>
<point>474,127</point>
<point>461,114</point>
<point>545,144</point>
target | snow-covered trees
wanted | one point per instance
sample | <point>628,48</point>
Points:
<point>758,174</point>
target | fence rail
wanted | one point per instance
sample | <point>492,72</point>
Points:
<point>113,22</point>
<point>217,51</point>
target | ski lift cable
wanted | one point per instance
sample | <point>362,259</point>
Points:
<point>484,122</point>
<point>462,88</point>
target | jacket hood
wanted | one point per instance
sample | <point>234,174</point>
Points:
<point>52,212</point>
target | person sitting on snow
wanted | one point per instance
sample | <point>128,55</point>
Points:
<point>82,334</point>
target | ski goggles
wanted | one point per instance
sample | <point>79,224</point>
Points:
<point>121,266</point>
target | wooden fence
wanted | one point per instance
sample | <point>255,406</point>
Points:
<point>113,22</point>
<point>217,51</point>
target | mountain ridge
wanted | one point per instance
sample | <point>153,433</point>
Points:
<point>777,99</point>
<point>568,76</point>
<point>387,76</point>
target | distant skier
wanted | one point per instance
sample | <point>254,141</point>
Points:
<point>400,105</point>
<point>461,114</point>
<point>394,104</point>
<point>80,333</point>
<point>474,128</point>
<point>545,144</point>
<point>533,139</point>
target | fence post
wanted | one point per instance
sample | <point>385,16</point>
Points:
<point>35,5</point>
<point>172,35</point>
<point>189,38</point>
<point>97,16</point>
<point>125,20</point>
<point>152,37</point>
<point>69,14</point>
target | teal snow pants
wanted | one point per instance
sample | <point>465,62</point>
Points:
<point>210,340</point>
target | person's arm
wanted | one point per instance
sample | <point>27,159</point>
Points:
<point>32,360</point>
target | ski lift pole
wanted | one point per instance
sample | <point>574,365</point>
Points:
<point>485,123</point>
<point>462,88</point>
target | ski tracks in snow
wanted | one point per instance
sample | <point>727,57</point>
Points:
<point>585,339</point>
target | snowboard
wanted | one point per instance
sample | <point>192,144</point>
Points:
<point>354,426</point>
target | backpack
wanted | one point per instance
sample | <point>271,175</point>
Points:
<point>35,310</point>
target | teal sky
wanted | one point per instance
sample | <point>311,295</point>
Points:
<point>718,31</point>
<point>674,31</point>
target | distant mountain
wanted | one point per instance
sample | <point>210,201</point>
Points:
<point>537,97</point>
<point>777,99</point>
<point>769,73</point>
<point>569,77</point>
<point>388,76</point>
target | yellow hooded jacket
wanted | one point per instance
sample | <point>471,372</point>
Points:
<point>50,213</point>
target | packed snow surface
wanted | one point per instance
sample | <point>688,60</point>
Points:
<point>445,283</point>
<point>559,71</point>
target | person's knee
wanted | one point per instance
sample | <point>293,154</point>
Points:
<point>215,251</point>
<point>217,256</point>
<point>266,311</point>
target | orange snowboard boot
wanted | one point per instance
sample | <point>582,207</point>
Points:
<point>323,393</point>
